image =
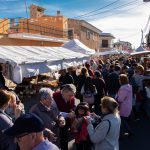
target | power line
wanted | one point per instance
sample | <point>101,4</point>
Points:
<point>116,13</point>
<point>97,9</point>
<point>121,6</point>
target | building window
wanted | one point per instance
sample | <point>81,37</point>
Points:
<point>104,43</point>
<point>88,35</point>
<point>70,34</point>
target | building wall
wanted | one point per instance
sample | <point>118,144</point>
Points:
<point>55,26</point>
<point>4,40</point>
<point>122,45</point>
<point>4,25</point>
<point>74,25</point>
<point>84,33</point>
<point>110,41</point>
<point>36,11</point>
<point>89,38</point>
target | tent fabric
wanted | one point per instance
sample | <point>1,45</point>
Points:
<point>140,49</point>
<point>146,52</point>
<point>28,61</point>
<point>77,46</point>
<point>109,52</point>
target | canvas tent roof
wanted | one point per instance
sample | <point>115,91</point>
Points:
<point>32,60</point>
<point>140,49</point>
<point>146,52</point>
<point>77,46</point>
<point>109,52</point>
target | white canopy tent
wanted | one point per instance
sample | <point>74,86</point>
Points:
<point>27,61</point>
<point>110,52</point>
<point>140,49</point>
<point>76,46</point>
<point>146,52</point>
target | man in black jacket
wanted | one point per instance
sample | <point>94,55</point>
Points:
<point>113,84</point>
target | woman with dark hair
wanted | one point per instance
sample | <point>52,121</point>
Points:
<point>88,91</point>
<point>80,81</point>
<point>124,98</point>
<point>90,71</point>
<point>79,127</point>
<point>101,91</point>
<point>106,134</point>
<point>6,142</point>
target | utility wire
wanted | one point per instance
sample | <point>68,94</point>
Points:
<point>115,13</point>
<point>98,9</point>
<point>106,11</point>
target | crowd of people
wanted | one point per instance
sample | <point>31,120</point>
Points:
<point>108,92</point>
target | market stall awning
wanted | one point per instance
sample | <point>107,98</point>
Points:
<point>140,49</point>
<point>109,52</point>
<point>28,61</point>
<point>140,53</point>
<point>77,46</point>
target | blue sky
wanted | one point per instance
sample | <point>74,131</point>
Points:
<point>123,18</point>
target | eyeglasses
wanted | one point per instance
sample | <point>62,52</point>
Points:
<point>18,137</point>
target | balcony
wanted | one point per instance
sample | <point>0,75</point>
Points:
<point>25,26</point>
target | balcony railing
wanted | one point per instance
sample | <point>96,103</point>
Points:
<point>34,28</point>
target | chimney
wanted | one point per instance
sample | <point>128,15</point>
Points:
<point>58,12</point>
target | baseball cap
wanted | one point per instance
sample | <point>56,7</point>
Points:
<point>26,123</point>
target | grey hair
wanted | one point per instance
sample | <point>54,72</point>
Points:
<point>45,93</point>
<point>69,87</point>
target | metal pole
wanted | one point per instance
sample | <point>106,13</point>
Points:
<point>26,14</point>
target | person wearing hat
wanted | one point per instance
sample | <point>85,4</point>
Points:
<point>28,133</point>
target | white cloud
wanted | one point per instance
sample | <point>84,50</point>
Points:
<point>127,27</point>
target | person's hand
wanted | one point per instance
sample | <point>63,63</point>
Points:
<point>19,109</point>
<point>71,115</point>
<point>88,120</point>
<point>50,135</point>
<point>93,115</point>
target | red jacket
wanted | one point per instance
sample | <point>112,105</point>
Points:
<point>82,135</point>
<point>61,103</point>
